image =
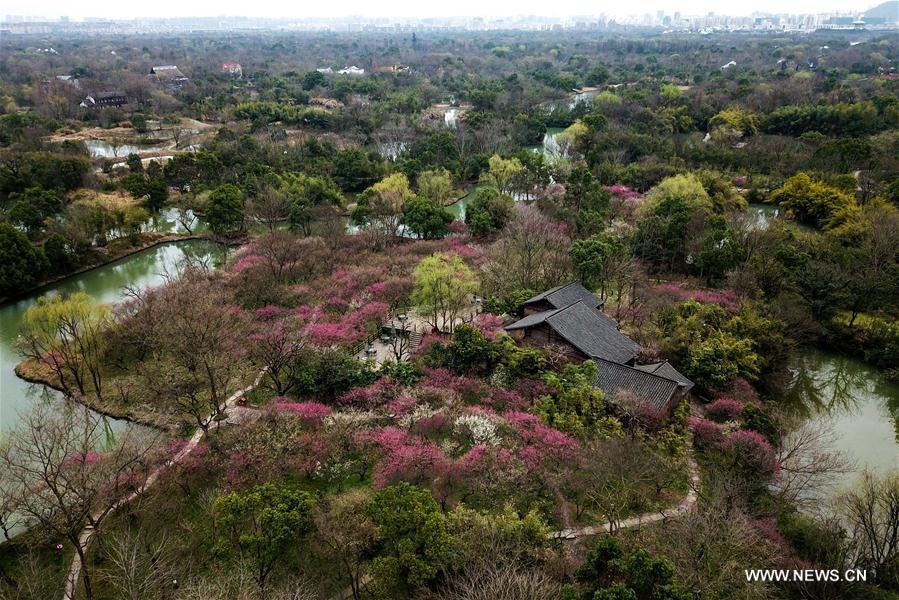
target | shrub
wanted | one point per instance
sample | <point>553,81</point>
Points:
<point>706,434</point>
<point>750,454</point>
<point>724,409</point>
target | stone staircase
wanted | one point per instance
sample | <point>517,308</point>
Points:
<point>415,339</point>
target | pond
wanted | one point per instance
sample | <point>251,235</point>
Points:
<point>853,400</point>
<point>104,284</point>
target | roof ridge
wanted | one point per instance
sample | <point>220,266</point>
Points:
<point>650,373</point>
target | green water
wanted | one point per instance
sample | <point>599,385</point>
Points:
<point>855,401</point>
<point>457,208</point>
<point>550,147</point>
<point>105,284</point>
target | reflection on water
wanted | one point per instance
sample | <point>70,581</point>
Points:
<point>854,400</point>
<point>391,150</point>
<point>104,149</point>
<point>105,284</point>
<point>450,117</point>
<point>550,147</point>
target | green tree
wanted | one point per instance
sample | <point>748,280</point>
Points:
<point>577,405</point>
<point>313,79</point>
<point>501,173</point>
<point>489,211</point>
<point>413,539</point>
<point>33,207</point>
<point>436,185</point>
<point>139,122</point>
<point>311,198</point>
<point>70,335</point>
<point>810,201</point>
<point>426,218</point>
<point>444,285</point>
<point>225,209</point>
<point>22,263</point>
<point>595,257</point>
<point>608,573</point>
<point>59,255</point>
<point>151,189</point>
<point>263,525</point>
<point>380,208</point>
<point>720,251</point>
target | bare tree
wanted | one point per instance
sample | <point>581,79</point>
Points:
<point>711,546</point>
<point>65,474</point>
<point>871,514</point>
<point>615,477</point>
<point>808,466</point>
<point>400,340</point>
<point>195,339</point>
<point>270,207</point>
<point>139,568</point>
<point>531,253</point>
<point>347,535</point>
<point>501,581</point>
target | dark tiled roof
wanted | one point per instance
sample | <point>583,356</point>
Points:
<point>566,295</point>
<point>585,328</point>
<point>654,389</point>
<point>533,319</point>
<point>665,369</point>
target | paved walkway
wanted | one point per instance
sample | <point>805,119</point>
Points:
<point>646,518</point>
<point>87,533</point>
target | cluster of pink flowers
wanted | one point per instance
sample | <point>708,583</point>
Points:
<point>489,324</point>
<point>768,529</point>
<point>82,458</point>
<point>458,227</point>
<point>436,424</point>
<point>469,388</point>
<point>753,450</point>
<point>377,394</point>
<point>505,400</point>
<point>706,434</point>
<point>541,443</point>
<point>724,409</point>
<point>743,391</point>
<point>484,459</point>
<point>623,192</point>
<point>458,246</point>
<point>269,313</point>
<point>401,405</point>
<point>409,462</point>
<point>349,328</point>
<point>311,413</point>
<point>725,298</point>
<point>246,261</point>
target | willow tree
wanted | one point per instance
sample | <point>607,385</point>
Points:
<point>444,285</point>
<point>68,334</point>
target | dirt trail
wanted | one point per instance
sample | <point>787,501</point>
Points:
<point>87,534</point>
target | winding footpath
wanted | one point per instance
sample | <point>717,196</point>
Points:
<point>646,518</point>
<point>87,533</point>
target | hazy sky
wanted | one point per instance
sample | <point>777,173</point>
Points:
<point>409,8</point>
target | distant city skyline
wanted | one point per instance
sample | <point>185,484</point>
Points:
<point>405,9</point>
